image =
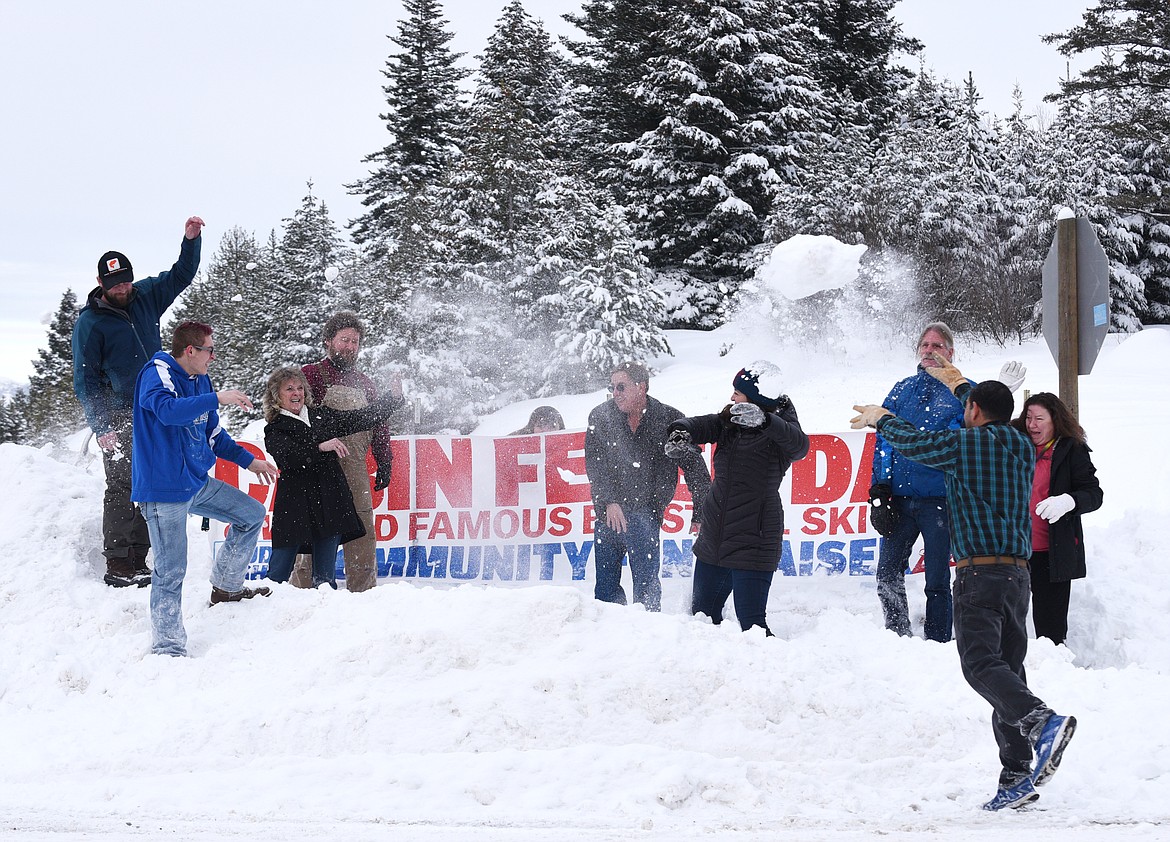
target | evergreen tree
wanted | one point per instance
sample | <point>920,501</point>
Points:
<point>609,308</point>
<point>622,37</point>
<point>1133,41</point>
<point>15,411</point>
<point>1022,228</point>
<point>52,411</point>
<point>1085,172</point>
<point>423,116</point>
<point>303,287</point>
<point>231,296</point>
<point>856,43</point>
<point>740,111</point>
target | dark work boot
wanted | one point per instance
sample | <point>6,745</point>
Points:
<point>121,573</point>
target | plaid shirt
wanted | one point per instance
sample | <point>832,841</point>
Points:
<point>989,482</point>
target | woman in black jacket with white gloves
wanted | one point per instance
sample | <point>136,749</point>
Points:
<point>757,437</point>
<point>1064,487</point>
<point>313,510</point>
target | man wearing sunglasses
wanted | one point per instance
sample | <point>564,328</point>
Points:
<point>633,481</point>
<point>115,335</point>
<point>177,438</point>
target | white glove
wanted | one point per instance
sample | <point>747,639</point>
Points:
<point>747,415</point>
<point>1053,509</point>
<point>1012,375</point>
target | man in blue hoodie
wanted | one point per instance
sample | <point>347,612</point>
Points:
<point>177,438</point>
<point>116,332</point>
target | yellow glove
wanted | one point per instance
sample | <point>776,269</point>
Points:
<point>946,373</point>
<point>869,416</point>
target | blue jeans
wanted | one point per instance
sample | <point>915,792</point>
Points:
<point>167,523</point>
<point>991,635</point>
<point>926,516</point>
<point>640,542</point>
<point>713,584</point>
<point>280,563</point>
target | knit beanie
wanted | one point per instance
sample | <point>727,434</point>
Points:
<point>760,384</point>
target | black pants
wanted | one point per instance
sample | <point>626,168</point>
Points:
<point>124,532</point>
<point>991,634</point>
<point>1049,600</point>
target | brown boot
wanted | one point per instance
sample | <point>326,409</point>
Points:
<point>121,573</point>
<point>219,595</point>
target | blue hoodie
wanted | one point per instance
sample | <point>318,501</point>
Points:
<point>177,436</point>
<point>929,405</point>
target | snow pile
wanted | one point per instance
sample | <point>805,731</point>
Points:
<point>423,713</point>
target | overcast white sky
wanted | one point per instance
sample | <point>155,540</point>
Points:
<point>123,118</point>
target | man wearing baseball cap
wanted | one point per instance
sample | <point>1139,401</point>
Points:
<point>116,334</point>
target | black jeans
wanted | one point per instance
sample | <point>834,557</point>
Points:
<point>124,533</point>
<point>991,612</point>
<point>712,585</point>
<point>1049,600</point>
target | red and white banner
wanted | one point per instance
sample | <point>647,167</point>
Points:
<point>517,509</point>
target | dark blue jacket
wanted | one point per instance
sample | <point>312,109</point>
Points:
<point>177,436</point>
<point>110,346</point>
<point>929,405</point>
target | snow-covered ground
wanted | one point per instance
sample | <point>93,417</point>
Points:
<point>536,713</point>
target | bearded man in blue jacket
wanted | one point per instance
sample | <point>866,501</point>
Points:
<point>177,438</point>
<point>115,334</point>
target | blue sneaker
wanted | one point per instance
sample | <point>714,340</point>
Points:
<point>1054,736</point>
<point>1014,796</point>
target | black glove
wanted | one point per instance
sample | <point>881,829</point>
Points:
<point>882,513</point>
<point>747,415</point>
<point>782,404</point>
<point>678,444</point>
<point>382,477</point>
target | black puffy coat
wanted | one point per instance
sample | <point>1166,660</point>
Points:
<point>313,499</point>
<point>1073,473</point>
<point>743,519</point>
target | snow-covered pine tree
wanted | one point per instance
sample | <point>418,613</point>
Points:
<point>1022,226</point>
<point>1085,172</point>
<point>1146,152</point>
<point>13,410</point>
<point>854,54</point>
<point>610,309</point>
<point>231,295</point>
<point>474,310</point>
<point>423,117</point>
<point>52,411</point>
<point>621,37</point>
<point>739,110</point>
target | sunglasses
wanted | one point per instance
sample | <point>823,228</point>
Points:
<point>210,349</point>
<point>618,388</point>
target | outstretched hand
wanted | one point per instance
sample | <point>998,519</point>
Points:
<point>267,472</point>
<point>233,397</point>
<point>869,415</point>
<point>946,373</point>
<point>192,228</point>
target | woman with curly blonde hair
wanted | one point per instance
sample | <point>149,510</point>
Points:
<point>313,510</point>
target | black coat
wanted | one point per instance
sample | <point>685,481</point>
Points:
<point>1073,473</point>
<point>631,468</point>
<point>313,499</point>
<point>743,519</point>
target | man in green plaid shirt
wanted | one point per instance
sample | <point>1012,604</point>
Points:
<point>988,467</point>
